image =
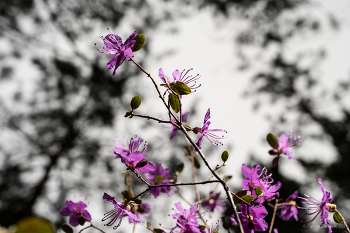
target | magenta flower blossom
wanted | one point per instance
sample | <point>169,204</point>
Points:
<point>181,77</point>
<point>175,129</point>
<point>163,174</point>
<point>256,216</point>
<point>212,229</point>
<point>186,220</point>
<point>141,211</point>
<point>131,157</point>
<point>289,211</point>
<point>320,207</point>
<point>114,45</point>
<point>74,211</point>
<point>285,142</point>
<point>206,132</point>
<point>214,204</point>
<point>251,177</point>
<point>120,209</point>
<point>252,180</point>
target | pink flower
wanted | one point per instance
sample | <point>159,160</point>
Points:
<point>114,45</point>
<point>120,209</point>
<point>320,207</point>
<point>214,204</point>
<point>74,211</point>
<point>254,221</point>
<point>164,176</point>
<point>288,211</point>
<point>206,132</point>
<point>285,142</point>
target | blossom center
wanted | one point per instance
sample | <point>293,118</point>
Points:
<point>249,218</point>
<point>331,207</point>
<point>293,203</point>
<point>211,201</point>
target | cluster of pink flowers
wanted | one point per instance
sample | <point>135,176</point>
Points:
<point>257,185</point>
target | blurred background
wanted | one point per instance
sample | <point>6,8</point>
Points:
<point>265,65</point>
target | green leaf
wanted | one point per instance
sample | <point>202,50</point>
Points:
<point>258,191</point>
<point>227,178</point>
<point>174,102</point>
<point>67,229</point>
<point>180,88</point>
<point>148,224</point>
<point>140,41</point>
<point>157,230</point>
<point>126,194</point>
<point>137,201</point>
<point>141,163</point>
<point>158,179</point>
<point>272,140</point>
<point>240,194</point>
<point>337,218</point>
<point>196,163</point>
<point>135,102</point>
<point>224,156</point>
<point>179,168</point>
<point>248,198</point>
<point>202,227</point>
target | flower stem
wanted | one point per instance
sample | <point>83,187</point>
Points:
<point>274,215</point>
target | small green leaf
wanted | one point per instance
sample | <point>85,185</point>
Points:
<point>337,218</point>
<point>135,102</point>
<point>126,180</point>
<point>224,156</point>
<point>188,128</point>
<point>158,179</point>
<point>180,88</point>
<point>126,194</point>
<point>140,41</point>
<point>137,201</point>
<point>157,230</point>
<point>141,210</point>
<point>81,220</point>
<point>67,229</point>
<point>202,227</point>
<point>227,178</point>
<point>141,163</point>
<point>174,102</point>
<point>272,140</point>
<point>240,194</point>
<point>248,198</point>
<point>196,163</point>
<point>148,224</point>
<point>179,168</point>
<point>258,191</point>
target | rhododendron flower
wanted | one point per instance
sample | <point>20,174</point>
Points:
<point>206,132</point>
<point>214,204</point>
<point>119,211</point>
<point>285,141</point>
<point>287,211</point>
<point>74,211</point>
<point>141,211</point>
<point>252,180</point>
<point>175,129</point>
<point>212,229</point>
<point>131,157</point>
<point>256,217</point>
<point>181,77</point>
<point>320,207</point>
<point>159,176</point>
<point>186,220</point>
<point>114,45</point>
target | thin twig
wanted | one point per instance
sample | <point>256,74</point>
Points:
<point>133,230</point>
<point>143,180</point>
<point>216,168</point>
<point>273,216</point>
<point>153,118</point>
<point>130,183</point>
<point>344,220</point>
